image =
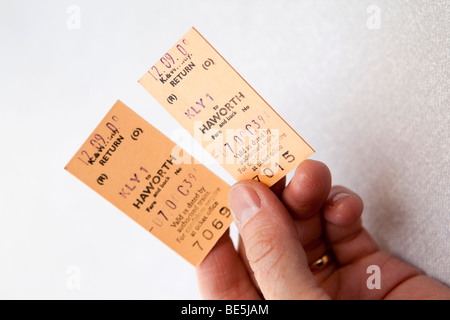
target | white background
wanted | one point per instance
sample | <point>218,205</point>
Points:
<point>372,99</point>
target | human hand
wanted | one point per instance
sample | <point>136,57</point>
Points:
<point>286,236</point>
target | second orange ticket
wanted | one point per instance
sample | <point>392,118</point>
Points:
<point>198,87</point>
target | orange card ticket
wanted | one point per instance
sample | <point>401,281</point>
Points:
<point>223,112</point>
<point>139,170</point>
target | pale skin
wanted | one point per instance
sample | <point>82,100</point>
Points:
<point>283,230</point>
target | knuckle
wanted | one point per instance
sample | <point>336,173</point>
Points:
<point>262,251</point>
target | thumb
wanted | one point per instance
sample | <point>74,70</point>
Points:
<point>272,246</point>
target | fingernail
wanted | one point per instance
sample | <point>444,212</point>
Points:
<point>338,197</point>
<point>244,203</point>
